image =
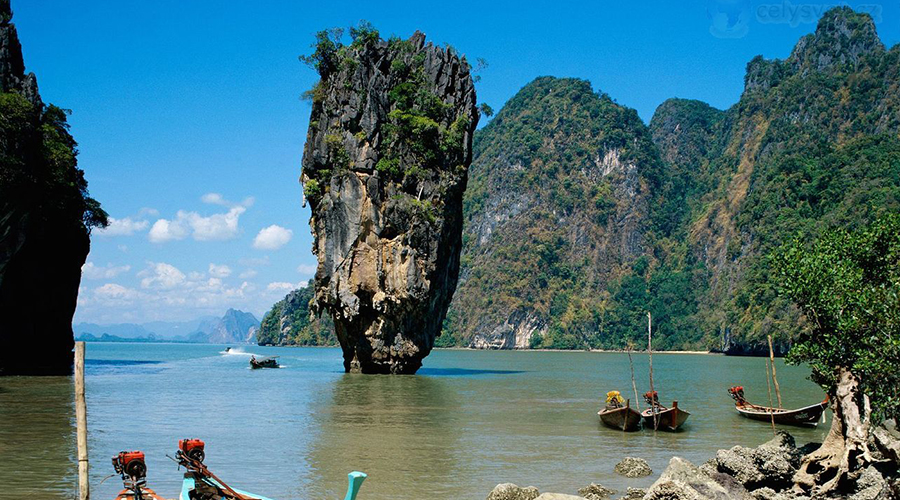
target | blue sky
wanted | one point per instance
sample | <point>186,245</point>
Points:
<point>191,128</point>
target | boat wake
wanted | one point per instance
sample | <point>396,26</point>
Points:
<point>236,351</point>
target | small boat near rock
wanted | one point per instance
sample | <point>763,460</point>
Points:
<point>659,417</point>
<point>619,414</point>
<point>263,362</point>
<point>808,416</point>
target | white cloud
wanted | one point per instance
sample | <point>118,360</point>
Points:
<point>216,227</point>
<point>283,286</point>
<point>91,271</point>
<point>164,230</point>
<point>214,199</point>
<point>272,238</point>
<point>247,274</point>
<point>115,292</point>
<point>306,269</point>
<point>122,227</point>
<point>219,271</point>
<point>161,276</point>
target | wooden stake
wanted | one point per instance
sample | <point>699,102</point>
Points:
<point>633,385</point>
<point>653,409</point>
<point>84,489</point>
<point>774,376</point>
<point>769,389</point>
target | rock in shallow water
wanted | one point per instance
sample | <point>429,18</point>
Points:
<point>596,492</point>
<point>558,496</point>
<point>683,480</point>
<point>510,491</point>
<point>771,464</point>
<point>633,467</point>
<point>634,494</point>
<point>384,169</point>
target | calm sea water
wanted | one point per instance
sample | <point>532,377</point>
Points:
<point>467,421</point>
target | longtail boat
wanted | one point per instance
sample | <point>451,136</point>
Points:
<point>807,416</point>
<point>200,482</point>
<point>131,466</point>
<point>619,414</point>
<point>263,363</point>
<point>659,417</point>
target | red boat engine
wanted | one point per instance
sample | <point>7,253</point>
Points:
<point>130,464</point>
<point>192,449</point>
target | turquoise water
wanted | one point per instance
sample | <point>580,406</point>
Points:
<point>467,421</point>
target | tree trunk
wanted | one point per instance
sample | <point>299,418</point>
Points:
<point>845,450</point>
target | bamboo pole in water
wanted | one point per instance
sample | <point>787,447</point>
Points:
<point>774,376</point>
<point>637,401</point>
<point>653,409</point>
<point>769,389</point>
<point>84,490</point>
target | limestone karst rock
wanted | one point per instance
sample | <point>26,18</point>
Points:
<point>45,216</point>
<point>384,169</point>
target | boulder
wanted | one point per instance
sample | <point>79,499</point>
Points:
<point>510,491</point>
<point>596,492</point>
<point>683,480</point>
<point>771,464</point>
<point>634,494</point>
<point>633,467</point>
<point>871,485</point>
<point>886,439</point>
<point>558,496</point>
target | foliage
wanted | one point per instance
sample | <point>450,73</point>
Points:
<point>290,322</point>
<point>540,153</point>
<point>847,284</point>
<point>39,167</point>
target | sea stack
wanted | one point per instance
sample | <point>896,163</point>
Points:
<point>45,221</point>
<point>384,170</point>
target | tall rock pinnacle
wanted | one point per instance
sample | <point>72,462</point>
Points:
<point>384,169</point>
<point>45,221</point>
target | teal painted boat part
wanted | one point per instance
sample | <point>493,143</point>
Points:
<point>188,485</point>
<point>356,479</point>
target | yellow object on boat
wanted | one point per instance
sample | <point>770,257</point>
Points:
<point>614,396</point>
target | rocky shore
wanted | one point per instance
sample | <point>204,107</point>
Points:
<point>766,472</point>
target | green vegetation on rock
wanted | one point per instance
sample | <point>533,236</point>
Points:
<point>290,322</point>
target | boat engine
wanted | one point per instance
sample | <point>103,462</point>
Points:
<point>191,449</point>
<point>130,465</point>
<point>737,393</point>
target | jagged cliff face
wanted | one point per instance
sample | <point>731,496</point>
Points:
<point>811,144</point>
<point>384,170</point>
<point>44,219</point>
<point>557,207</point>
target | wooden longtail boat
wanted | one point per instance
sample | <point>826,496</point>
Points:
<point>619,414</point>
<point>131,467</point>
<point>200,483</point>
<point>807,416</point>
<point>263,363</point>
<point>145,494</point>
<point>666,419</point>
<point>195,485</point>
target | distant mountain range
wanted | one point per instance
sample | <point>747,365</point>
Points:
<point>235,327</point>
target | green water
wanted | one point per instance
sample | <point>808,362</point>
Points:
<point>469,420</point>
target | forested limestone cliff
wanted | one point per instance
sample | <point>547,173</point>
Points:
<point>45,220</point>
